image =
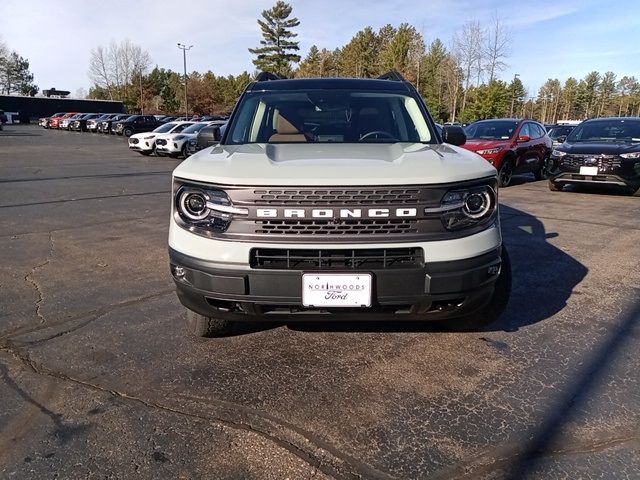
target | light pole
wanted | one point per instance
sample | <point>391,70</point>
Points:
<point>184,49</point>
<point>141,97</point>
<point>513,95</point>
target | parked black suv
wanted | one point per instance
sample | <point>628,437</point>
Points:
<point>603,151</point>
<point>136,124</point>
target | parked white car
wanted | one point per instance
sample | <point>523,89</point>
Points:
<point>175,144</point>
<point>145,143</point>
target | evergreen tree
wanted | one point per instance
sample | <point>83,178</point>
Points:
<point>15,76</point>
<point>359,57</point>
<point>518,94</point>
<point>311,65</point>
<point>276,53</point>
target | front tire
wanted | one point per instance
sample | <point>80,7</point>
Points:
<point>505,173</point>
<point>491,312</point>
<point>543,172</point>
<point>554,187</point>
<point>202,326</point>
<point>127,132</point>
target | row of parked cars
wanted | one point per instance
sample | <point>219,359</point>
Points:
<point>604,151</point>
<point>177,138</point>
<point>114,123</point>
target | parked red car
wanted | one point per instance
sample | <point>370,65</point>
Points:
<point>54,122</point>
<point>512,146</point>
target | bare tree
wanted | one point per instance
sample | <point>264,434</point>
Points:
<point>114,68</point>
<point>467,48</point>
<point>99,70</point>
<point>497,47</point>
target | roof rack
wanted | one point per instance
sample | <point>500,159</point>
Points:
<point>265,76</point>
<point>392,75</point>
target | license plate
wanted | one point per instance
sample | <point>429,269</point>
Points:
<point>588,170</point>
<point>336,290</point>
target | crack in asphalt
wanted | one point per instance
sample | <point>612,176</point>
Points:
<point>101,197</point>
<point>88,317</point>
<point>342,467</point>
<point>89,225</point>
<point>30,280</point>
<point>84,177</point>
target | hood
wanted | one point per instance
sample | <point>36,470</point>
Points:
<point>171,136</point>
<point>479,144</point>
<point>334,164</point>
<point>141,136</point>
<point>607,148</point>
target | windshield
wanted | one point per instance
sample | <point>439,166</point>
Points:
<point>616,131</point>
<point>328,116</point>
<point>165,127</point>
<point>195,128</point>
<point>555,132</point>
<point>493,130</point>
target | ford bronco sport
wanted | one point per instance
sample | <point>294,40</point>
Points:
<point>336,199</point>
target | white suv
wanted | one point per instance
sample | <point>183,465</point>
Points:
<point>336,198</point>
<point>145,143</point>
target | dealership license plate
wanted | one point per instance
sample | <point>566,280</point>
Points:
<point>336,290</point>
<point>588,170</point>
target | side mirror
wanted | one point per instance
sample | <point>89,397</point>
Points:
<point>523,138</point>
<point>454,135</point>
<point>561,138</point>
<point>208,136</point>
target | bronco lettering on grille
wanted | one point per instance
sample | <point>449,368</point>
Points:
<point>335,213</point>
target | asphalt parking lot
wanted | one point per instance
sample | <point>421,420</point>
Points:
<point>98,379</point>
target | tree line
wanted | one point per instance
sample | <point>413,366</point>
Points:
<point>459,80</point>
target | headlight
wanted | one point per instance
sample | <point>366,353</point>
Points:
<point>558,153</point>
<point>204,210</point>
<point>179,137</point>
<point>490,151</point>
<point>630,155</point>
<point>149,137</point>
<point>466,208</point>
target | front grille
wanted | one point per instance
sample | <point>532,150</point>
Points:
<point>161,142</point>
<point>603,162</point>
<point>332,259</point>
<point>329,227</point>
<point>337,196</point>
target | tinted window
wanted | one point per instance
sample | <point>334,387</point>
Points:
<point>492,130</point>
<point>328,116</point>
<point>556,132</point>
<point>615,130</point>
<point>195,128</point>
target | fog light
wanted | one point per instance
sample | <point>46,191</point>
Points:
<point>493,270</point>
<point>179,273</point>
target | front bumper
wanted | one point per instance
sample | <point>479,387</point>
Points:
<point>141,146</point>
<point>170,148</point>
<point>435,291</point>
<point>457,278</point>
<point>613,171</point>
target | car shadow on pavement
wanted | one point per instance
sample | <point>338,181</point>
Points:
<point>544,277</point>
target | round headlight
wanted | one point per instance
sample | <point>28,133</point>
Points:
<point>193,205</point>
<point>477,204</point>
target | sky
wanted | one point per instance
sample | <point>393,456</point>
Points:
<point>550,38</point>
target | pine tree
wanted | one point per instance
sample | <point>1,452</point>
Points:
<point>311,65</point>
<point>276,53</point>
<point>15,75</point>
